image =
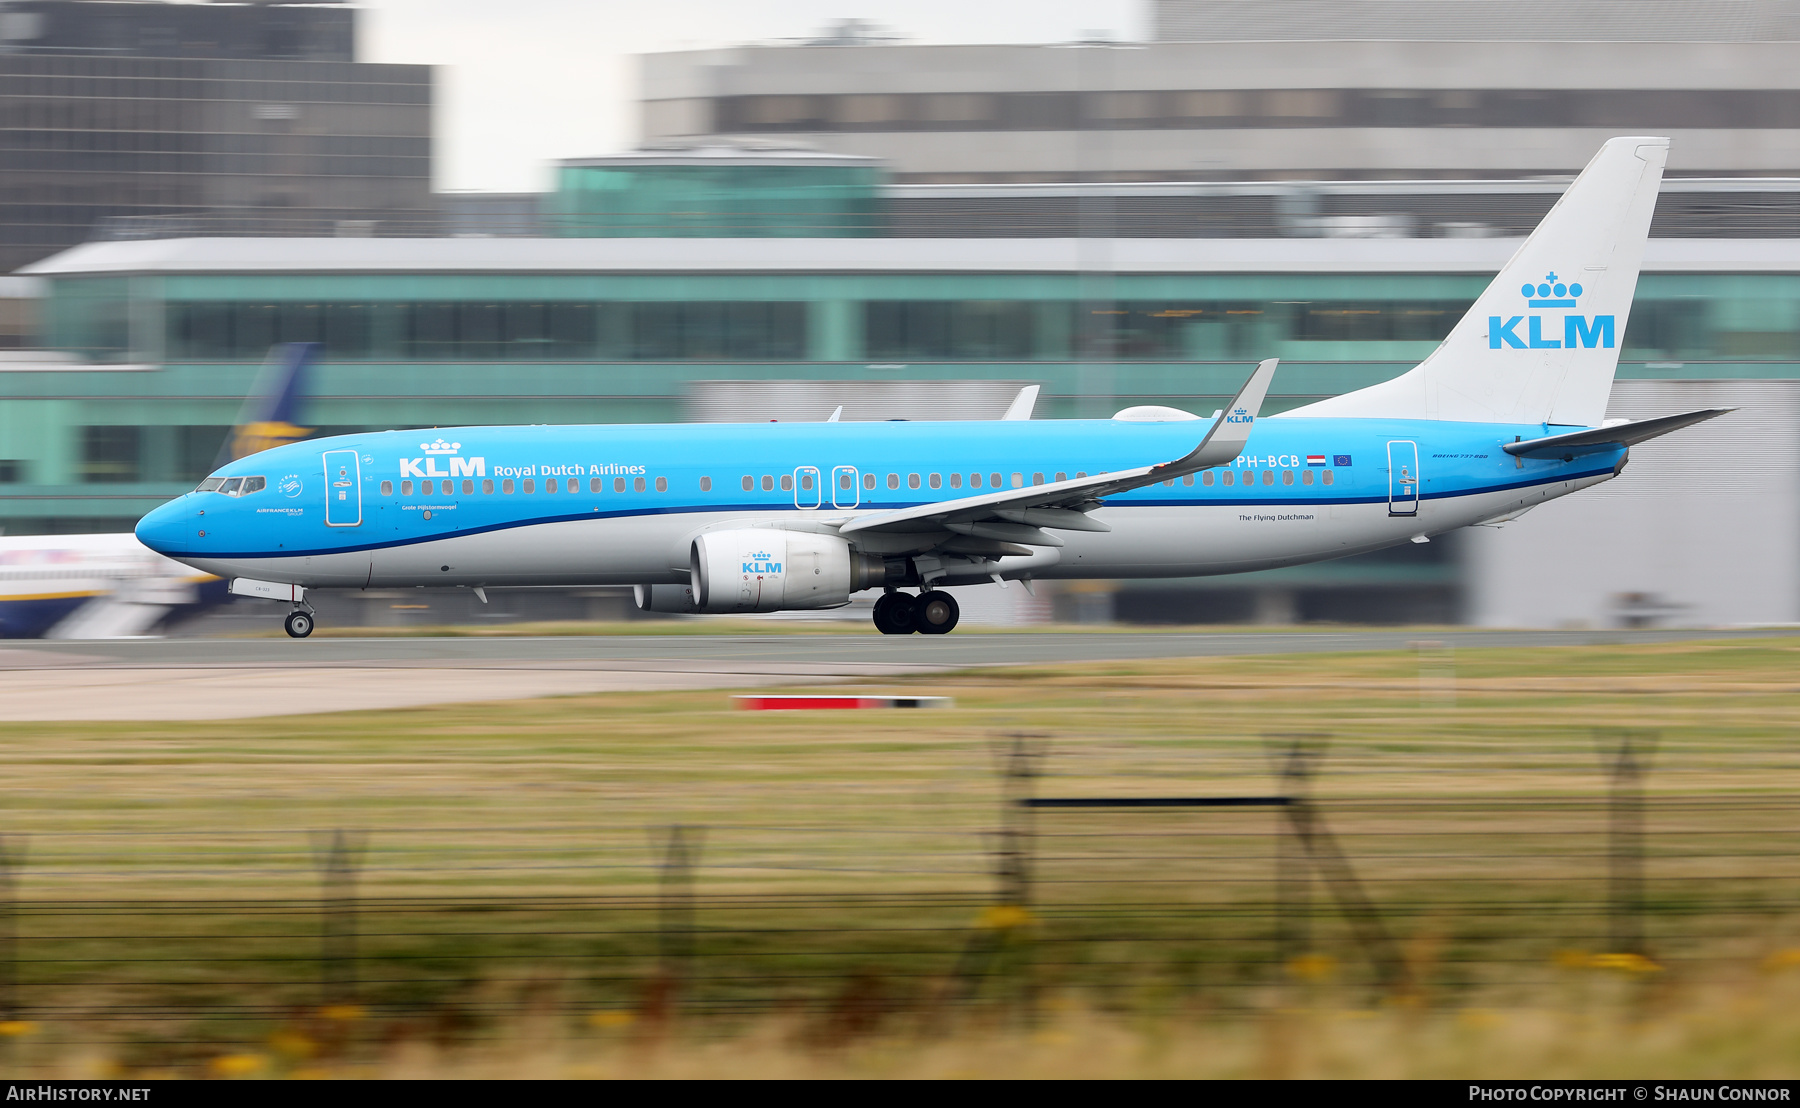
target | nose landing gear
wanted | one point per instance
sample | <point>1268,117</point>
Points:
<point>299,623</point>
<point>930,613</point>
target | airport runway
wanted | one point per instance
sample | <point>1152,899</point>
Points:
<point>175,679</point>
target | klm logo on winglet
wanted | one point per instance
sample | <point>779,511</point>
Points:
<point>1240,415</point>
<point>1578,330</point>
<point>759,563</point>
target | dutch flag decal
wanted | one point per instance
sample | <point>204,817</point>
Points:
<point>1315,459</point>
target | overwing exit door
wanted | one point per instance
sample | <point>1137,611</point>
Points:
<point>343,489</point>
<point>807,493</point>
<point>844,489</point>
<point>1403,478</point>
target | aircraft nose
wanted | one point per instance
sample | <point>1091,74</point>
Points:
<point>164,530</point>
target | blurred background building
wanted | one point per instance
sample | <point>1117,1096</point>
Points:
<point>122,119</point>
<point>916,231</point>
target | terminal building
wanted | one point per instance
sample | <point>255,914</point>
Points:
<point>916,232</point>
<point>153,343</point>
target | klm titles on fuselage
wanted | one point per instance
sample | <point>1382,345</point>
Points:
<point>1577,330</point>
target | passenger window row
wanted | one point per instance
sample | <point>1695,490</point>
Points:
<point>243,486</point>
<point>508,486</point>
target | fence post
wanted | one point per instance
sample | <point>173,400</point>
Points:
<point>1627,753</point>
<point>12,860</point>
<point>680,852</point>
<point>337,858</point>
<point>1016,850</point>
<point>1293,870</point>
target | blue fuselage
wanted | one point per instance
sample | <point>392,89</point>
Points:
<point>613,504</point>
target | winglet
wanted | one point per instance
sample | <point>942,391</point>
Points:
<point>833,417</point>
<point>1225,440</point>
<point>1022,404</point>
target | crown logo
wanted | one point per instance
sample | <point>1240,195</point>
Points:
<point>1550,293</point>
<point>440,447</point>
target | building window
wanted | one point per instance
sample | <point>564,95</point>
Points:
<point>960,330</point>
<point>713,331</point>
<point>111,454</point>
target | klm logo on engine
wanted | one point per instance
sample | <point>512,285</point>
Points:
<point>1577,330</point>
<point>428,465</point>
<point>760,563</point>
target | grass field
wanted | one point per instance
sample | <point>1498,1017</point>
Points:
<point>168,910</point>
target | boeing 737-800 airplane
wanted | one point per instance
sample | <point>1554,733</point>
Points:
<point>1507,413</point>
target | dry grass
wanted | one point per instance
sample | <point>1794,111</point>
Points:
<point>1477,823</point>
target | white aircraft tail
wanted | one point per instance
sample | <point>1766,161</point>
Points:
<point>1541,344</point>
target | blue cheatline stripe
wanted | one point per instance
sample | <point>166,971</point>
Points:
<point>698,509</point>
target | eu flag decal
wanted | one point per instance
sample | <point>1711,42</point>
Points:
<point>1342,461</point>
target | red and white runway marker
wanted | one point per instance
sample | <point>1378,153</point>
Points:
<point>763,702</point>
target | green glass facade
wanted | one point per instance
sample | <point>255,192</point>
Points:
<point>173,355</point>
<point>683,199</point>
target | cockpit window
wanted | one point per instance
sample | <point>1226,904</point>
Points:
<point>234,486</point>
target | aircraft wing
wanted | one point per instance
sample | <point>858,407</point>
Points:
<point>1019,515</point>
<point>1620,434</point>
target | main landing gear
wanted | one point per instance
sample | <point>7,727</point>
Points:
<point>299,623</point>
<point>929,613</point>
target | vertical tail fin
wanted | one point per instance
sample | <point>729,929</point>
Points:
<point>1541,344</point>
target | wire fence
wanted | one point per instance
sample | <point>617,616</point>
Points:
<point>1186,900</point>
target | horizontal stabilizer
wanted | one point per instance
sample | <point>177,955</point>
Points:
<point>1619,434</point>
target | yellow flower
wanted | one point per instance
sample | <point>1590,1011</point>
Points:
<point>1003,917</point>
<point>237,1065</point>
<point>1312,967</point>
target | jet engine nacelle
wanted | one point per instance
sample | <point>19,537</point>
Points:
<point>764,569</point>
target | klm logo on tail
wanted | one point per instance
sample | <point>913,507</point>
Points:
<point>1577,330</point>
